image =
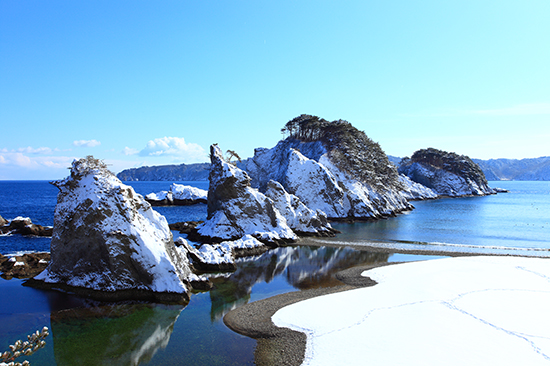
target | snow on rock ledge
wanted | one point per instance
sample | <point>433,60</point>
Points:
<point>221,257</point>
<point>108,243</point>
<point>235,209</point>
<point>178,195</point>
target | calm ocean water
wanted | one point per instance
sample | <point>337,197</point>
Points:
<point>84,332</point>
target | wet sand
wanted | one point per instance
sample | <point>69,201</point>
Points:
<point>282,346</point>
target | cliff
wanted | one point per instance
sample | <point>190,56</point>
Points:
<point>446,173</point>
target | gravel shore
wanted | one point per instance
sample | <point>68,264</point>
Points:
<point>282,346</point>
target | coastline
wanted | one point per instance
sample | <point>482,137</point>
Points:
<point>283,346</point>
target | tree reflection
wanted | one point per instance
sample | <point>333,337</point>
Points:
<point>122,334</point>
<point>302,267</point>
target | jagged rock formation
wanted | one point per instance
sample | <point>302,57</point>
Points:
<point>332,167</point>
<point>446,173</point>
<point>182,172</point>
<point>24,226</point>
<point>108,243</point>
<point>178,195</point>
<point>302,220</point>
<point>235,209</point>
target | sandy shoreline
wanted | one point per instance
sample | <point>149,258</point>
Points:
<point>282,346</point>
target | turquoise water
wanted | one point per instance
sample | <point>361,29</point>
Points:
<point>90,333</point>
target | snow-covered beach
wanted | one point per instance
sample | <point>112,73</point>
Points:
<point>452,311</point>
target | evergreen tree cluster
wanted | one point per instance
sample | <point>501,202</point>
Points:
<point>350,149</point>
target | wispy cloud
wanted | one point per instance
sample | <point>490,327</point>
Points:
<point>19,159</point>
<point>174,147</point>
<point>40,150</point>
<point>129,151</point>
<point>86,143</point>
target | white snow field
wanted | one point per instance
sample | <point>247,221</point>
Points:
<point>452,311</point>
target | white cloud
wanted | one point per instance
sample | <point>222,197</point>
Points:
<point>86,143</point>
<point>175,147</point>
<point>40,150</point>
<point>129,151</point>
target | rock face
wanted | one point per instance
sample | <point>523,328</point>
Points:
<point>235,209</point>
<point>302,220</point>
<point>109,244</point>
<point>332,167</point>
<point>446,173</point>
<point>178,195</point>
<point>24,226</point>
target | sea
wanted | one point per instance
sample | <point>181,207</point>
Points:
<point>84,332</point>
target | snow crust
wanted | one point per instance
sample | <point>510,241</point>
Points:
<point>224,252</point>
<point>298,216</point>
<point>179,192</point>
<point>453,311</point>
<point>106,230</point>
<point>415,191</point>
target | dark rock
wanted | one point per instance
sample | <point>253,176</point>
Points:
<point>24,226</point>
<point>23,266</point>
<point>446,173</point>
<point>185,227</point>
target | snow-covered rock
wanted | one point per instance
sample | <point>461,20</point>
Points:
<point>321,184</point>
<point>221,257</point>
<point>415,191</point>
<point>235,209</point>
<point>447,174</point>
<point>179,195</point>
<point>109,243</point>
<point>301,219</point>
<point>24,226</point>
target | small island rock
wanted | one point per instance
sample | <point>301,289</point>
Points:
<point>178,195</point>
<point>446,173</point>
<point>108,243</point>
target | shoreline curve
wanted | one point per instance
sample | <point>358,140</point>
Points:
<point>283,346</point>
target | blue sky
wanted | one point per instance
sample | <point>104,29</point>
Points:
<point>156,82</point>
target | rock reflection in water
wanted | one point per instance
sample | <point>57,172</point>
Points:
<point>122,334</point>
<point>302,267</point>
